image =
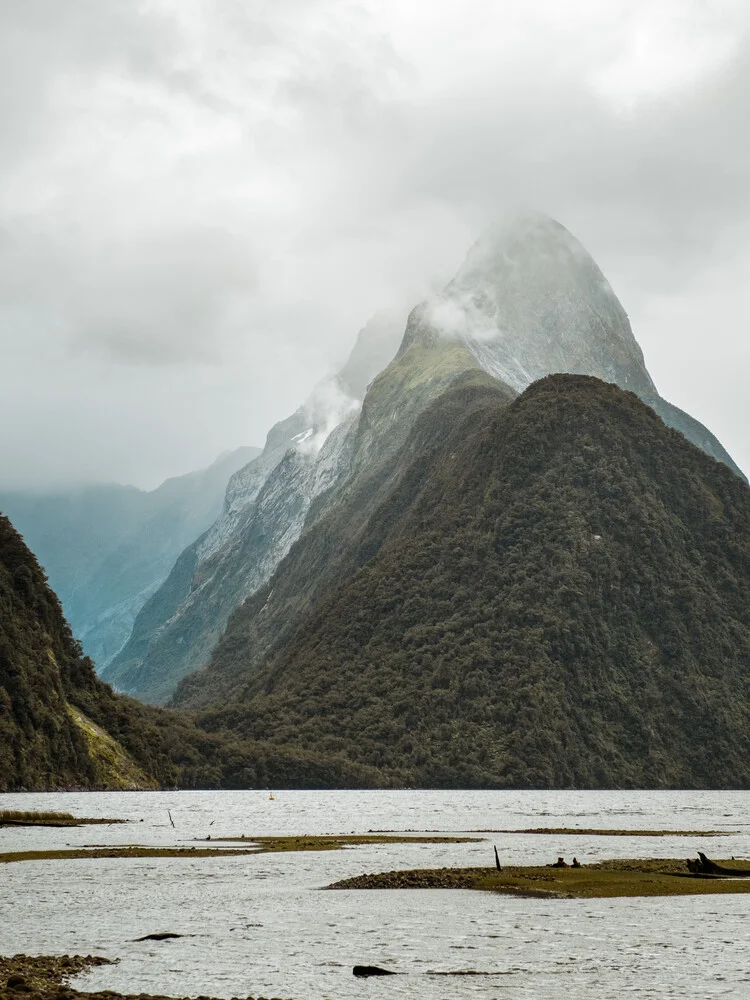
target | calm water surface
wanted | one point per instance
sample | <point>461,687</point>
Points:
<point>260,924</point>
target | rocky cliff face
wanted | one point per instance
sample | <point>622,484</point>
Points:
<point>229,562</point>
<point>530,301</point>
<point>106,549</point>
<point>266,507</point>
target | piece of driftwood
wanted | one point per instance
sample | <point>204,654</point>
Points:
<point>705,866</point>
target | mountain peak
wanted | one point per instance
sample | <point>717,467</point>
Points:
<point>529,301</point>
<point>530,237</point>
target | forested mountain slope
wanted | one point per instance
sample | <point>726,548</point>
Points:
<point>340,538</point>
<point>557,597</point>
<point>61,727</point>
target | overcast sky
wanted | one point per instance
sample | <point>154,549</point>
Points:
<point>201,202</point>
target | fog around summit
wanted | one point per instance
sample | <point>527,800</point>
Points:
<point>201,204</point>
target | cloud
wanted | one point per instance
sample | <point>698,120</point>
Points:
<point>207,201</point>
<point>327,406</point>
<point>458,316</point>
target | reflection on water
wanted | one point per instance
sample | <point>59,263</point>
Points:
<point>260,925</point>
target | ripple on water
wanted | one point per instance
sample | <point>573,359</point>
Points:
<point>258,925</point>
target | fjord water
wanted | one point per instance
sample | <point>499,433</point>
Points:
<point>260,925</point>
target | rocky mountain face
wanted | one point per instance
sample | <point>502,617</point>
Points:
<point>332,545</point>
<point>62,727</point>
<point>550,591</point>
<point>107,548</point>
<point>528,301</point>
<point>266,507</point>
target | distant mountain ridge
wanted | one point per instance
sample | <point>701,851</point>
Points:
<point>107,548</point>
<point>528,301</point>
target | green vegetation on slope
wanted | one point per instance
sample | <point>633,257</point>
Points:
<point>344,534</point>
<point>40,745</point>
<point>61,727</point>
<point>560,601</point>
<point>549,592</point>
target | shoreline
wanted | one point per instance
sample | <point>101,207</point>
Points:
<point>46,977</point>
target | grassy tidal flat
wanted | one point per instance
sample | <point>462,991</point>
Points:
<point>337,842</point>
<point>589,832</point>
<point>17,817</point>
<point>607,879</point>
<point>131,851</point>
<point>583,831</point>
<point>260,845</point>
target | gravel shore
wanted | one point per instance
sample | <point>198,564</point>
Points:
<point>45,976</point>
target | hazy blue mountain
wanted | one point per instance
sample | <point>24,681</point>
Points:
<point>106,548</point>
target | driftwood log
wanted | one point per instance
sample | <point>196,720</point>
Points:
<point>704,866</point>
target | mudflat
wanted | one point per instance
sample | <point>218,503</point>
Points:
<point>134,851</point>
<point>260,845</point>
<point>337,842</point>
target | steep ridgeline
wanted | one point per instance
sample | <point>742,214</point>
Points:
<point>265,508</point>
<point>342,537</point>
<point>528,301</point>
<point>555,596</point>
<point>107,548</point>
<point>61,727</point>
